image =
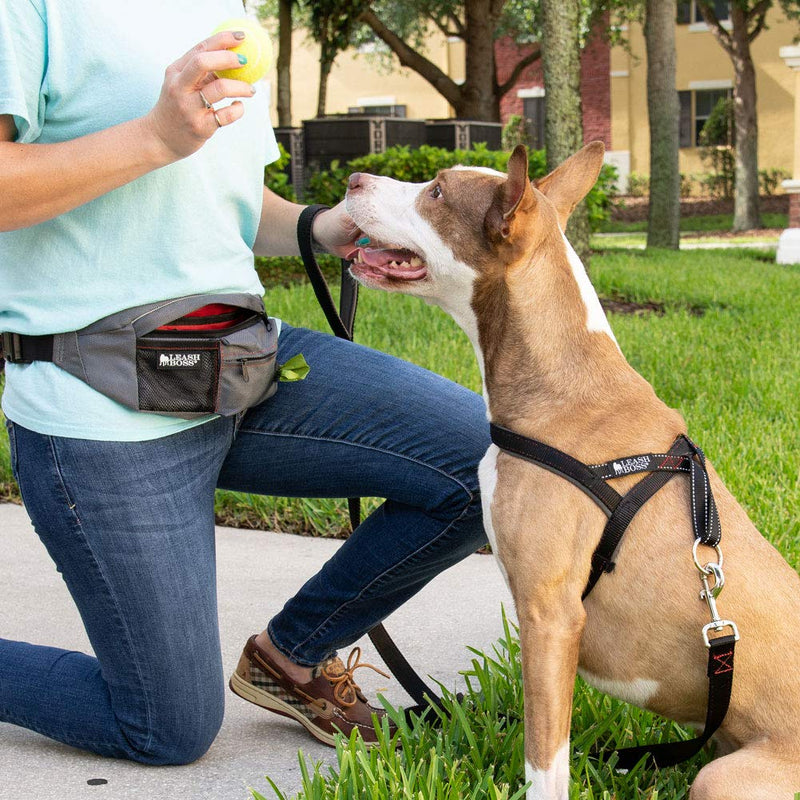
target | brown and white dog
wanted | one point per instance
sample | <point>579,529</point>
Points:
<point>490,250</point>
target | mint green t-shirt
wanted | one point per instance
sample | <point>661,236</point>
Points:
<point>72,67</point>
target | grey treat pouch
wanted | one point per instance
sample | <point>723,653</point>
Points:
<point>180,373</point>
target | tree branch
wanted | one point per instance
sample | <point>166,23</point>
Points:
<point>759,13</point>
<point>408,57</point>
<point>529,59</point>
<point>710,18</point>
<point>442,25</point>
<point>458,26</point>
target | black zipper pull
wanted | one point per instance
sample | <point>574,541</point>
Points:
<point>245,375</point>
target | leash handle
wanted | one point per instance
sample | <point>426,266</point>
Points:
<point>342,323</point>
<point>349,291</point>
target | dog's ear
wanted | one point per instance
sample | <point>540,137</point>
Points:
<point>514,193</point>
<point>569,183</point>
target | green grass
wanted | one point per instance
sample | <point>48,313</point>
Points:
<point>705,223</point>
<point>476,751</point>
<point>615,241</point>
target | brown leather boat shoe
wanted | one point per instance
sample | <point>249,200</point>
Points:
<point>330,702</point>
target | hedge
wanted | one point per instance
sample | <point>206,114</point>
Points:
<point>421,164</point>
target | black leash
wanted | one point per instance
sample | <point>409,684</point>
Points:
<point>684,456</point>
<point>342,323</point>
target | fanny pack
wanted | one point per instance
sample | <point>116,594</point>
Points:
<point>187,357</point>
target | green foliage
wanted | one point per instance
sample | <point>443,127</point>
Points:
<point>717,150</point>
<point>422,164</point>
<point>638,184</point>
<point>331,23</point>
<point>770,179</point>
<point>276,177</point>
<point>515,132</point>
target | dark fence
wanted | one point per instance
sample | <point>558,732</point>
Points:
<point>344,137</point>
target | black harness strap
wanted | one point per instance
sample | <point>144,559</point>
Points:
<point>684,456</point>
<point>563,464</point>
<point>341,323</point>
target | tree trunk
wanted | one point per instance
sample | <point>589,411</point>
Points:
<point>663,227</point>
<point>479,96</point>
<point>563,130</point>
<point>747,23</point>
<point>479,99</point>
<point>745,204</point>
<point>322,98</point>
<point>284,63</point>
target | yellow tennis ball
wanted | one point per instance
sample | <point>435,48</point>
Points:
<point>256,47</point>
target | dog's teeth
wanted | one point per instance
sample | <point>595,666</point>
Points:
<point>415,262</point>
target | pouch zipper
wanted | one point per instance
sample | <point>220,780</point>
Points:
<point>215,334</point>
<point>243,362</point>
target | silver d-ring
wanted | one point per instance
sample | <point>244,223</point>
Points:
<point>205,102</point>
<point>219,124</point>
<point>705,570</point>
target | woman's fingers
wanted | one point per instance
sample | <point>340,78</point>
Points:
<point>225,116</point>
<point>221,88</point>
<point>183,119</point>
<point>199,66</point>
<point>219,41</point>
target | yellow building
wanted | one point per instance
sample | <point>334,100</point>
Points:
<point>357,80</point>
<point>704,73</point>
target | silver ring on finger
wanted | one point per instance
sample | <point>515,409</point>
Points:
<point>205,101</point>
<point>216,117</point>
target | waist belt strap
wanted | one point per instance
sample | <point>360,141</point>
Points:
<point>22,349</point>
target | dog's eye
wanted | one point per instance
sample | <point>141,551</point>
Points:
<point>436,192</point>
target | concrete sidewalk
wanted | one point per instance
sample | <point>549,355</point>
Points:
<point>257,572</point>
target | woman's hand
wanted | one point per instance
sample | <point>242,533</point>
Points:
<point>335,231</point>
<point>180,121</point>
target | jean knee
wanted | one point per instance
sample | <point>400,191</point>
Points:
<point>183,732</point>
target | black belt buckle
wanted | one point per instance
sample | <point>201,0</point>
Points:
<point>12,348</point>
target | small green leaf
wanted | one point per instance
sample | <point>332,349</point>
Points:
<point>295,369</point>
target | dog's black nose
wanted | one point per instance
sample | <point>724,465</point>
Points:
<point>354,181</point>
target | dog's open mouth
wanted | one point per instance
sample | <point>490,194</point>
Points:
<point>394,263</point>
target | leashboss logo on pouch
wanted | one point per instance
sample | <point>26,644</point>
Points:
<point>178,360</point>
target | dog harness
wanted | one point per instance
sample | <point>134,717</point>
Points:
<point>686,457</point>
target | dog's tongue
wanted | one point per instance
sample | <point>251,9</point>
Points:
<point>391,262</point>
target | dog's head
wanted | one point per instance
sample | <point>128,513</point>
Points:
<point>434,239</point>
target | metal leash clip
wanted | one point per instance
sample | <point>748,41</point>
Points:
<point>710,594</point>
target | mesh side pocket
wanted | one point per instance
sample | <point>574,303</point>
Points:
<point>176,377</point>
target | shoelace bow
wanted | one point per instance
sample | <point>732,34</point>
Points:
<point>344,686</point>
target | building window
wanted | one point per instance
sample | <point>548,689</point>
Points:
<point>696,107</point>
<point>689,11</point>
<point>533,109</point>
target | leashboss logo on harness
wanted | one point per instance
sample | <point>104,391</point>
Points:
<point>178,360</point>
<point>628,465</point>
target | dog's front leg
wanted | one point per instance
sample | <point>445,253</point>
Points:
<point>550,634</point>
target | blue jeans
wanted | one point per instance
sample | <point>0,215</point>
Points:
<point>130,525</point>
